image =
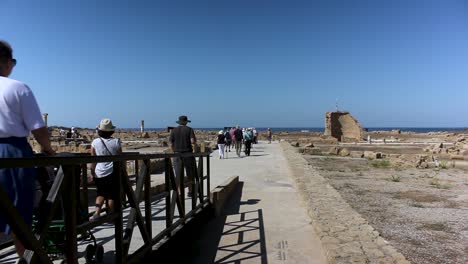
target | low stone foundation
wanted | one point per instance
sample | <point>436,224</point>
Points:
<point>345,235</point>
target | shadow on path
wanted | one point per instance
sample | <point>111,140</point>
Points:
<point>233,237</point>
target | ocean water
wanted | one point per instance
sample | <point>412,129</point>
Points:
<point>322,129</point>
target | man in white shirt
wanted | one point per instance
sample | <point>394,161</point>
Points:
<point>19,115</point>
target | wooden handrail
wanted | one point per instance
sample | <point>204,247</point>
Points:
<point>68,166</point>
<point>80,159</point>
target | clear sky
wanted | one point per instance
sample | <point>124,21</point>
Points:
<point>261,63</point>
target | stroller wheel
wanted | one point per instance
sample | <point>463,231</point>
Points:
<point>89,253</point>
<point>99,253</point>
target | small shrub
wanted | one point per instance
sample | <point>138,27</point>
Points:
<point>436,227</point>
<point>418,205</point>
<point>434,182</point>
<point>396,178</point>
<point>444,164</point>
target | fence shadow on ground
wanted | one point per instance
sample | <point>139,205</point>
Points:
<point>233,237</point>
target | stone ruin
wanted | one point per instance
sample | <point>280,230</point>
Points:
<point>343,126</point>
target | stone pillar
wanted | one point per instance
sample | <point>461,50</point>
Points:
<point>142,126</point>
<point>44,116</point>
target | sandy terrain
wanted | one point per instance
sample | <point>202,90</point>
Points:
<point>423,213</point>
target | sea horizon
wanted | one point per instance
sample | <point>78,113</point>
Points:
<point>322,129</point>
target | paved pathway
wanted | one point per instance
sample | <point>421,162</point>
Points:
<point>265,221</point>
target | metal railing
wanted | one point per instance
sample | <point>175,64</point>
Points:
<point>67,181</point>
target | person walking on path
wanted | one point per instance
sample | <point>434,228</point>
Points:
<point>228,138</point>
<point>221,143</point>
<point>233,137</point>
<point>239,137</point>
<point>248,136</point>
<point>269,135</point>
<point>19,115</point>
<point>104,173</point>
<point>181,139</point>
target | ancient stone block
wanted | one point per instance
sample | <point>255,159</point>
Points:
<point>343,126</point>
<point>333,150</point>
<point>344,152</point>
<point>371,155</point>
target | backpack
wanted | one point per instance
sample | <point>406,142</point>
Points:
<point>238,135</point>
<point>227,135</point>
<point>248,136</point>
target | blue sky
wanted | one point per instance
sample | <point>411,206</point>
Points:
<point>254,63</point>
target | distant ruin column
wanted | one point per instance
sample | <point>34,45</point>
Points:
<point>44,116</point>
<point>142,126</point>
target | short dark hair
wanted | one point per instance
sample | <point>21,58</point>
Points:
<point>6,52</point>
<point>105,134</point>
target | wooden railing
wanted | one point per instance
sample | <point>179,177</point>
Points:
<point>74,192</point>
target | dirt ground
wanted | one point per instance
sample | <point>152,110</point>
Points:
<point>423,213</point>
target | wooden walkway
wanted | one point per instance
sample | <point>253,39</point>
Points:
<point>157,215</point>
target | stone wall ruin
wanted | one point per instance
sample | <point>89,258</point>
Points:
<point>343,126</point>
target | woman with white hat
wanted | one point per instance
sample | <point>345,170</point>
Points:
<point>221,143</point>
<point>105,176</point>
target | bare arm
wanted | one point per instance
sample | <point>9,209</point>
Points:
<point>42,137</point>
<point>93,165</point>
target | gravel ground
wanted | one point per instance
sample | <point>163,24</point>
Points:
<point>422,213</point>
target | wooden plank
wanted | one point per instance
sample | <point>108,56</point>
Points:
<point>118,222</point>
<point>167,179</point>
<point>181,188</point>
<point>131,217</point>
<point>208,176</point>
<point>148,213</point>
<point>176,195</point>
<point>133,200</point>
<point>200,175</point>
<point>70,206</point>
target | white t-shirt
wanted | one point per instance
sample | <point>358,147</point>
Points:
<point>104,169</point>
<point>19,112</point>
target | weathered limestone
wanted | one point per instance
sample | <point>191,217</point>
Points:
<point>343,126</point>
<point>345,234</point>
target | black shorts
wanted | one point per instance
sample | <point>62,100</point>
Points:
<point>107,187</point>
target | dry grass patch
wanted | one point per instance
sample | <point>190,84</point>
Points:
<point>436,227</point>
<point>419,197</point>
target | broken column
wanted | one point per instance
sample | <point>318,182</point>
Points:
<point>44,116</point>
